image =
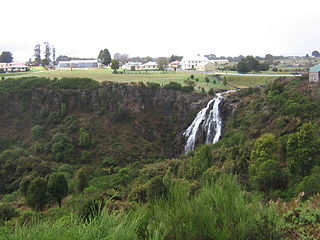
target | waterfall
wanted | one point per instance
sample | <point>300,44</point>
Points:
<point>209,121</point>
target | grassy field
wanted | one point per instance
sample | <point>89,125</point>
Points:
<point>157,77</point>
<point>248,81</point>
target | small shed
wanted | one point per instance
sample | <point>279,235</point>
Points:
<point>314,74</point>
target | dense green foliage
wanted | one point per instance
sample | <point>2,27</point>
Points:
<point>37,196</point>
<point>249,64</point>
<point>6,57</point>
<point>57,186</point>
<point>269,151</point>
<point>19,84</point>
<point>104,57</point>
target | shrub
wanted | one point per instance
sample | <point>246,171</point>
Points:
<point>173,86</point>
<point>7,212</point>
<point>187,89</point>
<point>62,146</point>
<point>37,196</point>
<point>156,188</point>
<point>211,92</point>
<point>91,208</point>
<point>138,193</point>
<point>24,184</point>
<point>81,180</point>
<point>37,132</point>
<point>153,85</point>
<point>84,139</point>
<point>200,162</point>
<point>76,83</point>
<point>221,210</point>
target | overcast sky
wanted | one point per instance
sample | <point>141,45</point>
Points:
<point>161,27</point>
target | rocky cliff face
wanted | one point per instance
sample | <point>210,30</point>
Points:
<point>127,121</point>
<point>128,115</point>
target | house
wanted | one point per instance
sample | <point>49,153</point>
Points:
<point>14,67</point>
<point>314,74</point>
<point>132,66</point>
<point>83,64</point>
<point>150,66</point>
<point>175,64</point>
<point>192,62</point>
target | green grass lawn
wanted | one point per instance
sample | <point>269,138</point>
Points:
<point>248,81</point>
<point>133,76</point>
<point>152,76</point>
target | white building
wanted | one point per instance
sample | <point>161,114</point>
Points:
<point>84,64</point>
<point>132,66</point>
<point>192,62</point>
<point>14,67</point>
<point>150,66</point>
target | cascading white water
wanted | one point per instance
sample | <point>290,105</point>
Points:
<point>192,130</point>
<point>211,123</point>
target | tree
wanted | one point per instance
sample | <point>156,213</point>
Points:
<point>37,54</point>
<point>253,64</point>
<point>314,53</point>
<point>37,132</point>
<point>207,80</point>
<point>175,58</point>
<point>6,57</point>
<point>117,56</point>
<point>24,185</point>
<point>269,57</point>
<point>104,57</point>
<point>242,66</point>
<point>267,175</point>
<point>310,184</point>
<point>54,55</point>
<point>303,150</point>
<point>84,139</point>
<point>265,172</point>
<point>200,162</point>
<point>63,58</point>
<point>162,63</point>
<point>62,146</point>
<point>121,58</point>
<point>57,187</point>
<point>265,148</point>
<point>114,65</point>
<point>37,196</point>
<point>47,53</point>
<point>248,64</point>
<point>81,180</point>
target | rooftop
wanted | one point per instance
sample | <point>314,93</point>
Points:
<point>150,64</point>
<point>315,69</point>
